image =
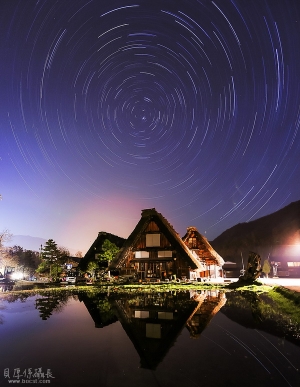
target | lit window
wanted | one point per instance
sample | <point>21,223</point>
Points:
<point>192,243</point>
<point>165,254</point>
<point>293,264</point>
<point>142,254</point>
<point>153,331</point>
<point>152,240</point>
<point>141,314</point>
<point>165,315</point>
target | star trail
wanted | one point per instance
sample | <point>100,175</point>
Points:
<point>109,107</point>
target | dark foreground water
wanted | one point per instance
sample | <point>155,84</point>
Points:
<point>171,339</point>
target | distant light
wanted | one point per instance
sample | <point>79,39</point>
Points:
<point>17,275</point>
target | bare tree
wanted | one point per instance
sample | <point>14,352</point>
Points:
<point>5,236</point>
<point>63,252</point>
<point>5,258</point>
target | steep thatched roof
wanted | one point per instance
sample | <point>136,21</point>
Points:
<point>204,249</point>
<point>96,247</point>
<point>149,215</point>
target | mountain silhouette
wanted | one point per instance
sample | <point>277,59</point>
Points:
<point>277,229</point>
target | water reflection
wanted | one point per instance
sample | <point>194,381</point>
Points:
<point>51,302</point>
<point>261,312</point>
<point>6,287</point>
<point>154,321</point>
<point>141,338</point>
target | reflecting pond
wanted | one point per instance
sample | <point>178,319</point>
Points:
<point>177,338</point>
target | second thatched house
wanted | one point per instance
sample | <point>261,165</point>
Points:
<point>211,261</point>
<point>155,251</point>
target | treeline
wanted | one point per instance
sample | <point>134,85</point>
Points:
<point>25,261</point>
<point>49,261</point>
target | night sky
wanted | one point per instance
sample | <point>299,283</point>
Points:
<point>110,107</point>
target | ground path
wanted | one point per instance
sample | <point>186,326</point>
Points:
<point>289,283</point>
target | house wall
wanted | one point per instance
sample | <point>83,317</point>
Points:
<point>155,250</point>
<point>194,242</point>
<point>155,268</point>
<point>152,228</point>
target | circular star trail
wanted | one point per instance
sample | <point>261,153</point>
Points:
<point>189,106</point>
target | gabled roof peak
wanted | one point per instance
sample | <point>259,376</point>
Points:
<point>192,228</point>
<point>149,211</point>
<point>165,228</point>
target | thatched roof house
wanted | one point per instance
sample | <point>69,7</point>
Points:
<point>96,248</point>
<point>154,250</point>
<point>206,254</point>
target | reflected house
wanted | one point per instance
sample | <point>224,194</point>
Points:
<point>153,322</point>
<point>154,251</point>
<point>209,305</point>
<point>99,308</point>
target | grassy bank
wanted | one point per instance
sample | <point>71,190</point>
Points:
<point>287,293</point>
<point>287,300</point>
<point>105,287</point>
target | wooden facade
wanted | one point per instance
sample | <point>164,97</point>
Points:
<point>211,261</point>
<point>155,251</point>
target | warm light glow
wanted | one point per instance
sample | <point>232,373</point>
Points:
<point>297,248</point>
<point>17,275</point>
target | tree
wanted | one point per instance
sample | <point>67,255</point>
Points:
<point>109,252</point>
<point>50,251</point>
<point>92,267</point>
<point>43,268</point>
<point>49,255</point>
<point>5,258</point>
<point>63,254</point>
<point>26,261</point>
<point>5,236</point>
<point>266,267</point>
<point>63,259</point>
<point>52,255</point>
